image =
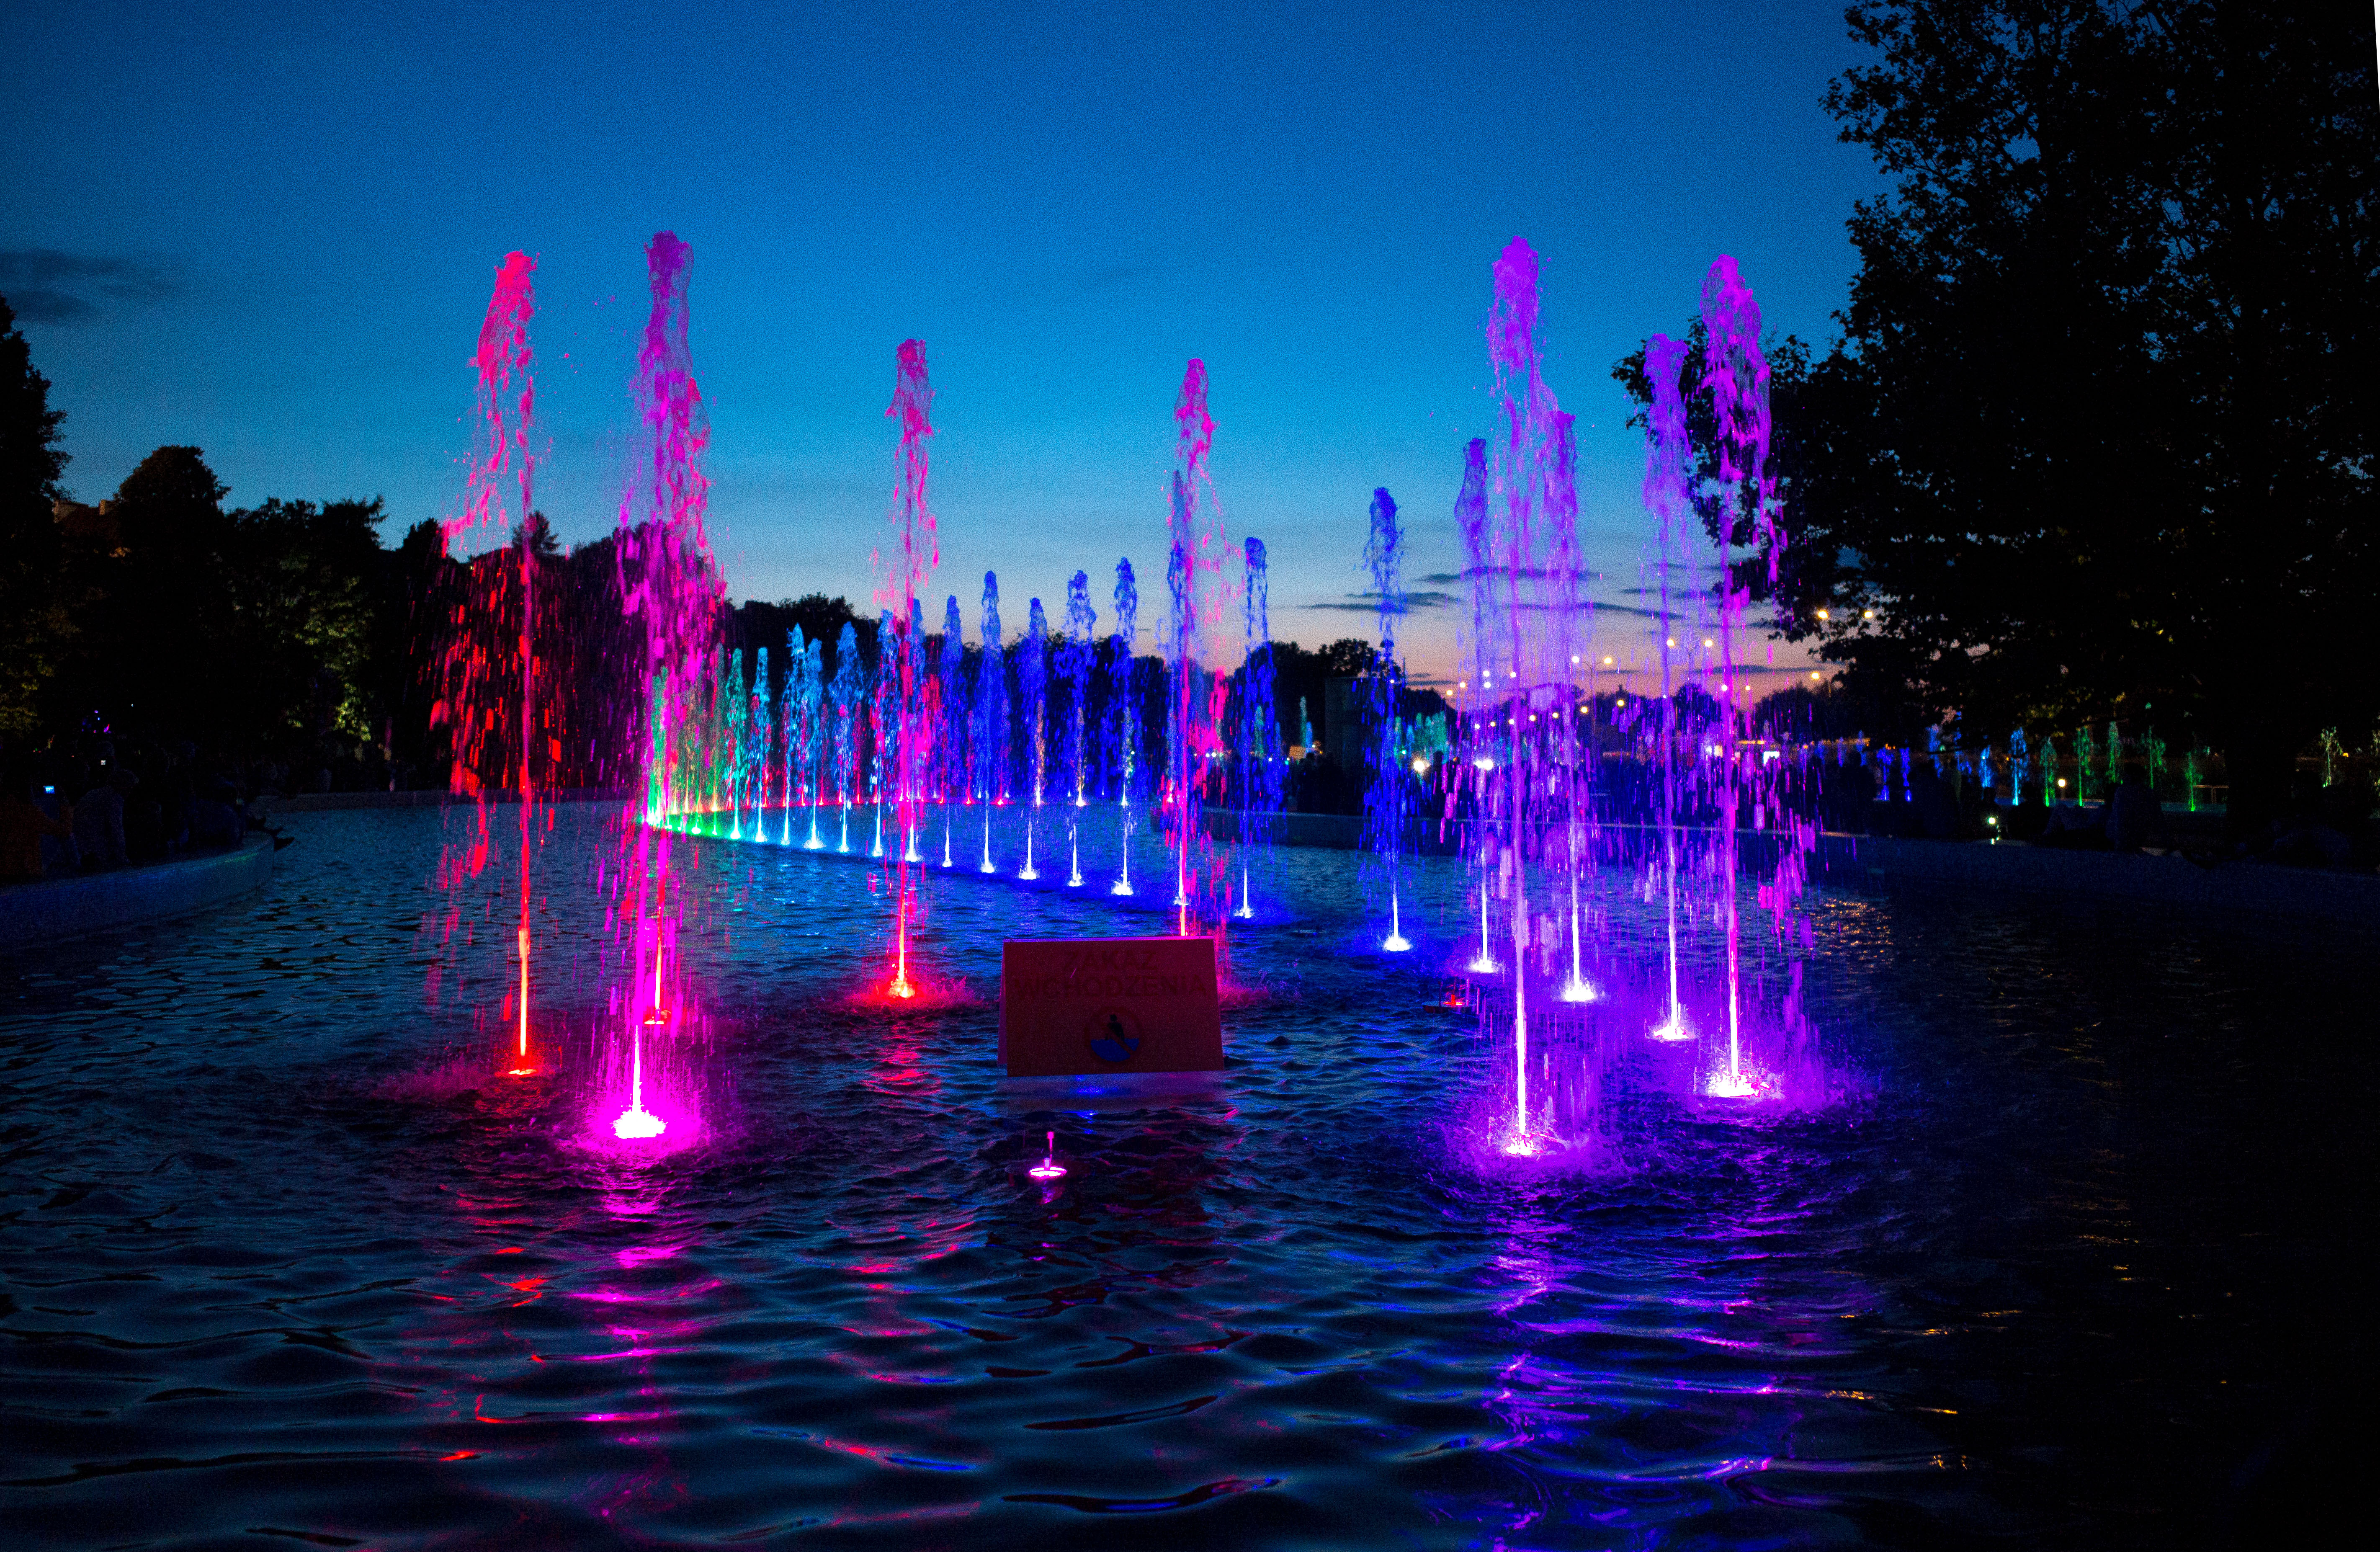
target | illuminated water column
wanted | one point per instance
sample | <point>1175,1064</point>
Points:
<point>991,715</point>
<point>1260,773</point>
<point>1384,800</point>
<point>672,588</point>
<point>1737,374</point>
<point>917,550</point>
<point>1664,494</point>
<point>1075,667</point>
<point>1125,711</point>
<point>1033,682</point>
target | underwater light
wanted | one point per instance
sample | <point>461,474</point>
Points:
<point>1580,989</point>
<point>1730,1085</point>
<point>1672,1030</point>
<point>1519,1144</point>
<point>638,1124</point>
<point>1396,942</point>
<point>1048,1169</point>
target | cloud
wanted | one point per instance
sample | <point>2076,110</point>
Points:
<point>46,285</point>
<point>1538,573</point>
<point>1369,603</point>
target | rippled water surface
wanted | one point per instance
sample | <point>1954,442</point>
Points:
<point>2071,1259</point>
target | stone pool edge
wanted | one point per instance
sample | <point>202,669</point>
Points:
<point>53,909</point>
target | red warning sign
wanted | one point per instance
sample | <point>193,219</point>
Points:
<point>1109,1005</point>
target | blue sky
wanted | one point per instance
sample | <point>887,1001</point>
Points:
<point>279,227</point>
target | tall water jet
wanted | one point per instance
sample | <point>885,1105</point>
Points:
<point>1384,801</point>
<point>916,551</point>
<point>991,715</point>
<point>1527,409</point>
<point>732,740</point>
<point>507,402</point>
<point>1125,708</point>
<point>1566,609</point>
<point>1737,374</point>
<point>1074,666</point>
<point>670,587</point>
<point>957,719</point>
<point>810,669</point>
<point>1665,492</point>
<point>846,694</point>
<point>1479,764</point>
<point>1260,771</point>
<point>879,683</point>
<point>1193,535</point>
<point>1032,679</point>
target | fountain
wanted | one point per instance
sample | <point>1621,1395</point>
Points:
<point>1259,756</point>
<point>1666,449</point>
<point>918,550</point>
<point>1384,800</point>
<point>1032,678</point>
<point>473,705</point>
<point>1075,667</point>
<point>992,717</point>
<point>1125,711</point>
<point>1194,539</point>
<point>672,588</point>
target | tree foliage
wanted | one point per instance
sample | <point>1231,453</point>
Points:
<point>2097,440</point>
<point>35,623</point>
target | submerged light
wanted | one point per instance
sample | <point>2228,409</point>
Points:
<point>1048,1169</point>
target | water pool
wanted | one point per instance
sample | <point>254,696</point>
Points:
<point>2071,1262</point>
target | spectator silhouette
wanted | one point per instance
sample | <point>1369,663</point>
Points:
<point>23,824</point>
<point>98,822</point>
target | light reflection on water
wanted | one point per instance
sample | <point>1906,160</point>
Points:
<point>283,1252</point>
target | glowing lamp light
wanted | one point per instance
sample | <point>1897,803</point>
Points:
<point>1484,762</point>
<point>1421,765</point>
<point>1606,662</point>
<point>1730,1085</point>
<point>1048,1169</point>
<point>638,1125</point>
<point>1825,615</point>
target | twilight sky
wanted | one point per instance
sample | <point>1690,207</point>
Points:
<point>271,231</point>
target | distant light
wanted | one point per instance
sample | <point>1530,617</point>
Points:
<point>1486,762</point>
<point>1606,662</point>
<point>2062,780</point>
<point>1868,614</point>
<point>1824,615</point>
<point>1421,765</point>
<point>1814,675</point>
<point>1707,641</point>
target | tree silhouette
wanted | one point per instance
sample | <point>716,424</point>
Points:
<point>34,622</point>
<point>2097,440</point>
